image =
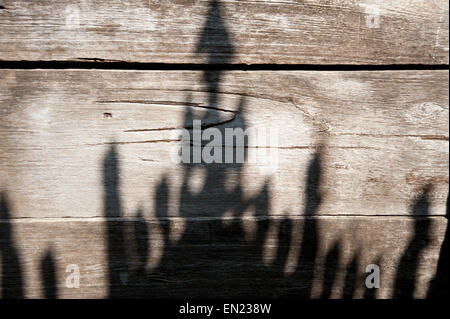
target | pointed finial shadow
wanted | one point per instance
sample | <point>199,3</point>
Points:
<point>440,285</point>
<point>406,277</point>
<point>11,269</point>
<point>215,42</point>
<point>48,271</point>
<point>307,260</point>
<point>115,229</point>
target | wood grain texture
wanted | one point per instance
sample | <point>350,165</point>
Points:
<point>249,32</point>
<point>318,257</point>
<point>368,142</point>
<point>342,169</point>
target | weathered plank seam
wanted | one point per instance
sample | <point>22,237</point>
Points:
<point>123,65</point>
<point>208,218</point>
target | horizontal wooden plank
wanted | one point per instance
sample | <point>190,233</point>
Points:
<point>227,31</point>
<point>345,143</point>
<point>317,257</point>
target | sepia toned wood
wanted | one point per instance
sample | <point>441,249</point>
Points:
<point>317,257</point>
<point>343,169</point>
<point>227,31</point>
<point>333,143</point>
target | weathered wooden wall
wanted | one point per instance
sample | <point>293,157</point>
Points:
<point>358,173</point>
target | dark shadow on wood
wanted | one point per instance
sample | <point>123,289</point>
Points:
<point>117,259</point>
<point>49,281</point>
<point>233,264</point>
<point>310,238</point>
<point>331,269</point>
<point>439,287</point>
<point>11,268</point>
<point>351,278</point>
<point>407,269</point>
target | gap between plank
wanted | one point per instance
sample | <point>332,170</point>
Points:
<point>102,64</point>
<point>207,218</point>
